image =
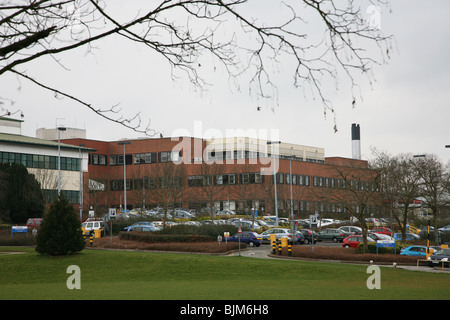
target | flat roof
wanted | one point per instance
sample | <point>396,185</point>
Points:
<point>20,139</point>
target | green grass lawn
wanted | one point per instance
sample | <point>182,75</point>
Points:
<point>169,276</point>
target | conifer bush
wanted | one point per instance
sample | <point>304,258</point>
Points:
<point>60,232</point>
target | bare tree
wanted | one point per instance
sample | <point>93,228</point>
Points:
<point>184,32</point>
<point>434,184</point>
<point>357,190</point>
<point>400,184</point>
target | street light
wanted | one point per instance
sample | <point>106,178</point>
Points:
<point>275,180</point>
<point>124,143</point>
<point>81,183</point>
<point>59,159</point>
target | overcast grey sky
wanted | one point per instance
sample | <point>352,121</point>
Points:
<point>407,109</point>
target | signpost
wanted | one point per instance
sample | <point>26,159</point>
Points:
<point>239,236</point>
<point>111,217</point>
<point>386,244</point>
<point>313,224</point>
<point>19,229</point>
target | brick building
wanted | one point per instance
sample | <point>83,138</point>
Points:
<point>232,173</point>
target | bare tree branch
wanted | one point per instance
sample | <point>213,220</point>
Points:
<point>184,32</point>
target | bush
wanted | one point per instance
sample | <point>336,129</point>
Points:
<point>152,237</point>
<point>209,230</point>
<point>60,232</point>
<point>372,248</point>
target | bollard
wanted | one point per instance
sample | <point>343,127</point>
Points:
<point>273,239</point>
<point>280,249</point>
<point>91,240</point>
<point>289,250</point>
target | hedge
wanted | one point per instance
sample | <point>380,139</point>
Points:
<point>372,248</point>
<point>151,237</point>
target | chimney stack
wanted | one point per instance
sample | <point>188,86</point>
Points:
<point>356,143</point>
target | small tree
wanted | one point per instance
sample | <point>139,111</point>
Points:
<point>60,232</point>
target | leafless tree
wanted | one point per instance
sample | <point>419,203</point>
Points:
<point>357,190</point>
<point>400,185</point>
<point>247,43</point>
<point>434,184</point>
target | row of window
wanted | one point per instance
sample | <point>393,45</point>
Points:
<point>71,195</point>
<point>137,158</point>
<point>231,179</point>
<point>342,184</point>
<point>40,161</point>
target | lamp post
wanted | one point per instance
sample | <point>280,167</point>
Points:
<point>275,180</point>
<point>124,143</point>
<point>59,158</point>
<point>81,183</point>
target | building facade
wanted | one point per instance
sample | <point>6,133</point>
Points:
<point>42,157</point>
<point>231,173</point>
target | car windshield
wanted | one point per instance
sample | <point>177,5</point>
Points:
<point>443,252</point>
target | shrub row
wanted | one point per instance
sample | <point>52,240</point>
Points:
<point>372,248</point>
<point>209,230</point>
<point>150,237</point>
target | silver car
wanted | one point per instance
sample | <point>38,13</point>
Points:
<point>279,232</point>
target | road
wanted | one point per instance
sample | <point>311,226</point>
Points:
<point>263,252</point>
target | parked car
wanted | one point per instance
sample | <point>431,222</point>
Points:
<point>279,232</point>
<point>180,213</point>
<point>299,238</point>
<point>409,237</point>
<point>417,251</point>
<point>246,224</point>
<point>437,258</point>
<point>308,235</point>
<point>354,240</point>
<point>93,225</point>
<point>143,228</point>
<point>382,230</point>
<point>445,229</point>
<point>379,236</point>
<point>249,237</point>
<point>142,223</point>
<point>330,234</point>
<point>351,229</point>
<point>226,212</point>
<point>34,223</point>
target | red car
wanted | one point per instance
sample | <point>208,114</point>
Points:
<point>382,230</point>
<point>354,240</point>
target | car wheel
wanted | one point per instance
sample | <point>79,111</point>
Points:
<point>346,246</point>
<point>335,240</point>
<point>251,244</point>
<point>306,241</point>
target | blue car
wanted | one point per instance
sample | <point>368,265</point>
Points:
<point>143,223</point>
<point>248,237</point>
<point>418,251</point>
<point>409,237</point>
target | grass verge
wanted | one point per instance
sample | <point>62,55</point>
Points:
<point>170,276</point>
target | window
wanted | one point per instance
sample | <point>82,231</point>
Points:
<point>117,159</point>
<point>141,158</point>
<point>99,159</point>
<point>167,156</point>
<point>40,161</point>
<point>224,179</point>
<point>198,181</point>
<point>117,185</point>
